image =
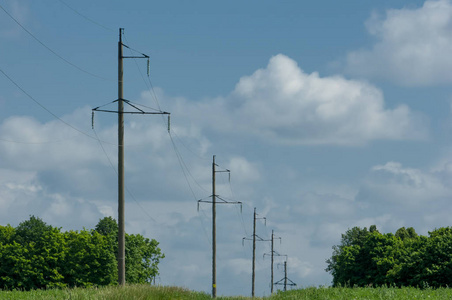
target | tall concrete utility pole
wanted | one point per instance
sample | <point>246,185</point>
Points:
<point>273,253</point>
<point>253,273</point>
<point>121,101</point>
<point>214,233</point>
<point>214,226</point>
<point>121,223</point>
<point>285,279</point>
<point>285,276</point>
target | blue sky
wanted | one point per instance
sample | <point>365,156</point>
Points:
<point>328,114</point>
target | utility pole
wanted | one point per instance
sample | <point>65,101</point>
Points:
<point>214,228</point>
<point>253,276</point>
<point>121,222</point>
<point>214,233</point>
<point>273,253</point>
<point>285,279</point>
<point>285,276</point>
<point>120,112</point>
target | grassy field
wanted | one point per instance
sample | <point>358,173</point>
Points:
<point>161,292</point>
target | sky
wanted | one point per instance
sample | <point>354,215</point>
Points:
<point>328,114</point>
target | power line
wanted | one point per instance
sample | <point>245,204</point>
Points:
<point>49,49</point>
<point>182,164</point>
<point>33,143</point>
<point>150,87</point>
<point>85,17</point>
<point>45,108</point>
<point>116,172</point>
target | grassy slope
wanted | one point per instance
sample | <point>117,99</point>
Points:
<point>152,292</point>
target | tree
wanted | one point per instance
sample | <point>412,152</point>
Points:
<point>434,268</point>
<point>404,234</point>
<point>404,259</point>
<point>142,258</point>
<point>107,227</point>
<point>35,255</point>
<point>346,263</point>
<point>89,260</point>
<point>142,254</point>
<point>32,256</point>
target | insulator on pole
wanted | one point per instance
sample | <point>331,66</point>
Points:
<point>92,119</point>
<point>169,123</point>
<point>148,67</point>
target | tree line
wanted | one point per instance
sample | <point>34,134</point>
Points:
<point>35,255</point>
<point>370,258</point>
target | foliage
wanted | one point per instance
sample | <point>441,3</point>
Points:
<point>90,259</point>
<point>35,255</point>
<point>31,256</point>
<point>142,254</point>
<point>370,258</point>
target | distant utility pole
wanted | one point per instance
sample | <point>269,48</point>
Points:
<point>285,279</point>
<point>120,112</point>
<point>214,229</point>
<point>259,239</point>
<point>273,253</point>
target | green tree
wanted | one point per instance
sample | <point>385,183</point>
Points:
<point>107,227</point>
<point>35,255</point>
<point>142,254</point>
<point>32,256</point>
<point>347,262</point>
<point>434,264</point>
<point>404,259</point>
<point>89,260</point>
<point>142,258</point>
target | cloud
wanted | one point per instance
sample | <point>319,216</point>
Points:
<point>22,194</point>
<point>412,46</point>
<point>283,104</point>
<point>397,196</point>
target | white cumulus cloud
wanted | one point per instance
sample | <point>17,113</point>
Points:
<point>283,103</point>
<point>412,46</point>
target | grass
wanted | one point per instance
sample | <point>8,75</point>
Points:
<point>378,293</point>
<point>107,293</point>
<point>162,292</point>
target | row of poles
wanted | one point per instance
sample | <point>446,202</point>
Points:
<point>255,238</point>
<point>215,198</point>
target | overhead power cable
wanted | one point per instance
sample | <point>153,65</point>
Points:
<point>85,17</point>
<point>116,172</point>
<point>50,49</point>
<point>31,143</point>
<point>45,108</point>
<point>183,165</point>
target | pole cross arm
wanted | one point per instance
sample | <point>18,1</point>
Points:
<point>142,54</point>
<point>275,254</point>
<point>133,112</point>
<point>259,239</point>
<point>280,282</point>
<point>223,201</point>
<point>135,106</point>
